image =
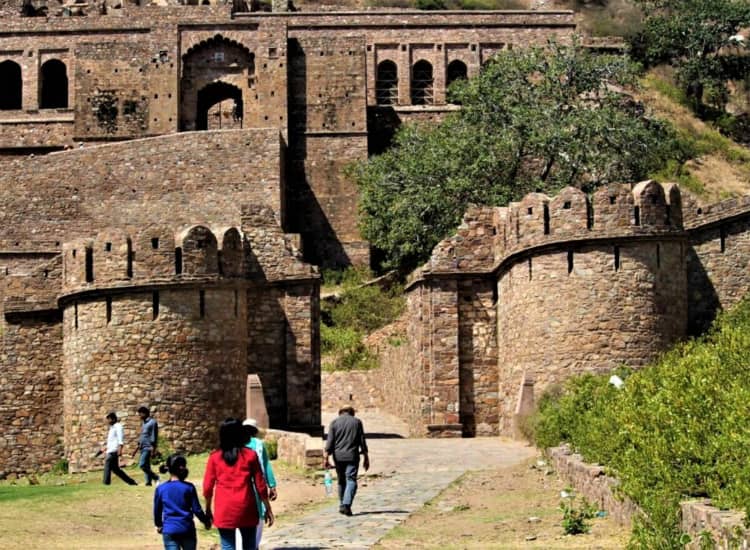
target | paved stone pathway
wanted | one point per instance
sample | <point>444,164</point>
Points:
<point>405,474</point>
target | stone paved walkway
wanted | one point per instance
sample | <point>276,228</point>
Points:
<point>405,474</point>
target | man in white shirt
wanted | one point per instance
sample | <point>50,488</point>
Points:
<point>115,441</point>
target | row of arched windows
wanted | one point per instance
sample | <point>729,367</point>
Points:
<point>53,85</point>
<point>422,80</point>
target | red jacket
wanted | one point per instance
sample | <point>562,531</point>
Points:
<point>232,489</point>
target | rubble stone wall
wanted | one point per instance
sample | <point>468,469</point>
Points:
<point>179,351</point>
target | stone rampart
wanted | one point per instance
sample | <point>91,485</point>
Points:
<point>182,178</point>
<point>542,289</point>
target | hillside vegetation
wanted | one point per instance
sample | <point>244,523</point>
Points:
<point>678,429</point>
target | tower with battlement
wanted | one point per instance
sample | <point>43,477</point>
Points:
<point>524,296</point>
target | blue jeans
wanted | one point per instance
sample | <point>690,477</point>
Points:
<point>347,478</point>
<point>227,538</point>
<point>183,541</point>
<point>145,465</point>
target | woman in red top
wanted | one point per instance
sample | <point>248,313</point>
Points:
<point>227,485</point>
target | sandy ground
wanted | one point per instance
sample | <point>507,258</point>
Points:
<point>492,510</point>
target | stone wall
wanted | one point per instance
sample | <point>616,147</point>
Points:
<point>179,351</point>
<point>31,393</point>
<point>590,481</point>
<point>177,179</point>
<point>698,517</point>
<point>725,527</point>
<point>718,263</point>
<point>300,450</point>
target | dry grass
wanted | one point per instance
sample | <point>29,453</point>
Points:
<point>722,168</point>
<point>491,510</point>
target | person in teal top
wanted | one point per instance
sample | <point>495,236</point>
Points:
<point>256,444</point>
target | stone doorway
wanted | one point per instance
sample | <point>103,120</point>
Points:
<point>220,107</point>
<point>217,81</point>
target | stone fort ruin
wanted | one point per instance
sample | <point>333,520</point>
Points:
<point>168,177</point>
<point>523,296</point>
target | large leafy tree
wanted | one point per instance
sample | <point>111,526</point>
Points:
<point>700,39</point>
<point>534,119</point>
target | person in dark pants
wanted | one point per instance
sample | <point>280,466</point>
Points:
<point>113,450</point>
<point>346,440</point>
<point>147,444</point>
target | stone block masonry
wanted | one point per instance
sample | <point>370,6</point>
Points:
<point>549,287</point>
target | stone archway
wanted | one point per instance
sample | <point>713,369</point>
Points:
<point>219,107</point>
<point>217,74</point>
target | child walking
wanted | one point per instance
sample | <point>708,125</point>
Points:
<point>175,503</point>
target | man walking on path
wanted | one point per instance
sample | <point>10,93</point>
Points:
<point>147,444</point>
<point>346,440</point>
<point>113,450</point>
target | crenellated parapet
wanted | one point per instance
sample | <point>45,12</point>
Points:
<point>157,255</point>
<point>488,236</point>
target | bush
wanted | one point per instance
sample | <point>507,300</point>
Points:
<point>272,448</point>
<point>575,518</point>
<point>366,308</point>
<point>676,430</point>
<point>60,467</point>
<point>344,349</point>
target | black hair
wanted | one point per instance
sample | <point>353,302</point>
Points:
<point>144,410</point>
<point>112,416</point>
<point>232,439</point>
<point>175,465</point>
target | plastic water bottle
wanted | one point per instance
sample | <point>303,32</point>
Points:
<point>328,482</point>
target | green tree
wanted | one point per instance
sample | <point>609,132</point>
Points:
<point>534,119</point>
<point>699,38</point>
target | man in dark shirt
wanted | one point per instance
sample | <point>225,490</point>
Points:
<point>346,440</point>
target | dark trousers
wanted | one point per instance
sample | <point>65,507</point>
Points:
<point>112,466</point>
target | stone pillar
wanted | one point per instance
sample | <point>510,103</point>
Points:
<point>255,402</point>
<point>443,378</point>
<point>303,358</point>
<point>524,405</point>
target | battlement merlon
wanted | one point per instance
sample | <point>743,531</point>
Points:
<point>155,256</point>
<point>645,209</point>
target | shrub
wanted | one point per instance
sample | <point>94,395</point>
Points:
<point>677,429</point>
<point>60,467</point>
<point>575,518</point>
<point>272,448</point>
<point>366,308</point>
<point>344,349</point>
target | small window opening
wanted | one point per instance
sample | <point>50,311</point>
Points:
<point>546,219</point>
<point>89,265</point>
<point>202,303</point>
<point>529,211</point>
<point>108,247</point>
<point>46,273</point>
<point>658,255</point>
<point>236,303</point>
<point>178,260</point>
<point>109,309</point>
<point>74,253</point>
<point>566,205</point>
<point>200,244</point>
<point>723,238</point>
<point>529,269</point>
<point>570,262</point>
<point>75,315</point>
<point>653,199</point>
<point>155,304</point>
<point>637,215</point>
<point>155,243</point>
<point>617,258</point>
<point>612,199</point>
<point>131,258</point>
